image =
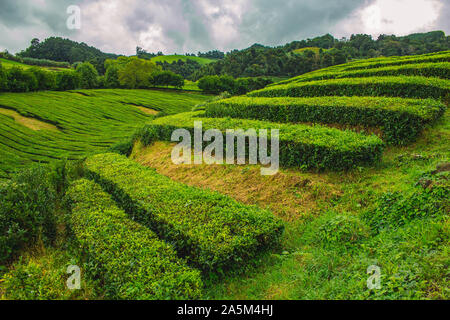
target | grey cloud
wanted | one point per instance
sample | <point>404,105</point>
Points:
<point>443,22</point>
<point>22,20</point>
<point>185,25</point>
<point>273,22</point>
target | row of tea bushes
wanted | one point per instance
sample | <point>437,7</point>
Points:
<point>434,70</point>
<point>212,231</point>
<point>130,259</point>
<point>401,120</point>
<point>406,87</point>
<point>443,56</point>
<point>376,63</point>
<point>304,146</point>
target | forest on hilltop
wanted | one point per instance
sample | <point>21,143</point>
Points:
<point>257,60</point>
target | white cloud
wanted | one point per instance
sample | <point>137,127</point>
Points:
<point>400,17</point>
<point>197,25</point>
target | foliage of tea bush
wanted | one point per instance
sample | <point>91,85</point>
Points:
<point>406,87</point>
<point>131,260</point>
<point>401,120</point>
<point>434,58</point>
<point>213,231</point>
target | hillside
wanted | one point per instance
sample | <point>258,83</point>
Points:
<point>10,64</point>
<point>45,126</point>
<point>363,183</point>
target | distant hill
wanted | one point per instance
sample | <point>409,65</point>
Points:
<point>259,60</point>
<point>59,49</point>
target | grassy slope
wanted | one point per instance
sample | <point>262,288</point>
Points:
<point>86,121</point>
<point>174,58</point>
<point>412,259</point>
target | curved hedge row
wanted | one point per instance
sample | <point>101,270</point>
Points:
<point>375,63</point>
<point>130,259</point>
<point>310,147</point>
<point>397,61</point>
<point>400,119</point>
<point>432,70</point>
<point>213,231</point>
<point>406,87</point>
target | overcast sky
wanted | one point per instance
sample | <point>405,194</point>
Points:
<point>179,26</point>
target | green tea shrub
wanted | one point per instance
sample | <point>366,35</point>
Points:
<point>432,70</point>
<point>213,231</point>
<point>20,80</point>
<point>401,120</point>
<point>130,259</point>
<point>304,146</point>
<point>373,64</point>
<point>45,63</point>
<point>406,87</point>
<point>3,79</point>
<point>123,148</point>
<point>26,211</point>
<point>88,75</point>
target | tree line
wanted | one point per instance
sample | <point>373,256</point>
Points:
<point>126,73</point>
<point>259,60</point>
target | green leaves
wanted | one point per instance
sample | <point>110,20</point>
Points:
<point>213,232</point>
<point>26,211</point>
<point>311,147</point>
<point>406,87</point>
<point>400,119</point>
<point>129,258</point>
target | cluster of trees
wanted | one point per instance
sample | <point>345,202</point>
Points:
<point>136,73</point>
<point>36,79</point>
<point>65,50</point>
<point>128,73</point>
<point>184,68</point>
<point>225,83</point>
<point>214,54</point>
<point>259,60</point>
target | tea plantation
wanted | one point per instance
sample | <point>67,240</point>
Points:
<point>84,122</point>
<point>143,228</point>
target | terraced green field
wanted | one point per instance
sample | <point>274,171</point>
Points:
<point>331,226</point>
<point>373,96</point>
<point>83,122</point>
<point>374,63</point>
